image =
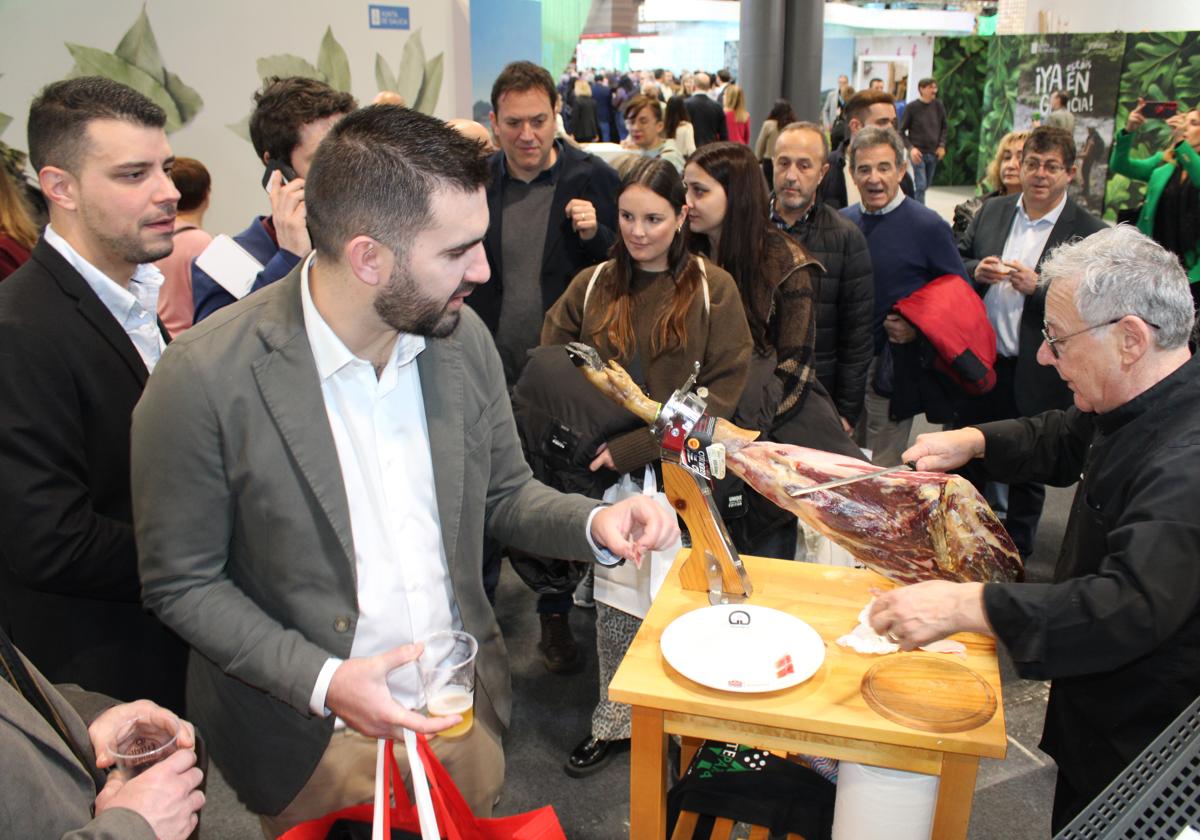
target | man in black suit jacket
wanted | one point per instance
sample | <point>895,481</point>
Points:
<point>553,212</point>
<point>707,116</point>
<point>78,337</point>
<point>1003,250</point>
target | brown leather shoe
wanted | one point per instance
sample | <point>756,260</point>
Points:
<point>559,650</point>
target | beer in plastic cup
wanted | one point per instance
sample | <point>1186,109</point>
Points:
<point>447,667</point>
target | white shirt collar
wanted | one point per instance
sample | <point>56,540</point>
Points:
<point>330,352</point>
<point>888,208</point>
<point>143,285</point>
<point>1050,218</point>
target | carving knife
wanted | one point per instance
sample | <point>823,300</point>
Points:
<point>851,479</point>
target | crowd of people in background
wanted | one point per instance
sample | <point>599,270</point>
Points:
<point>188,451</point>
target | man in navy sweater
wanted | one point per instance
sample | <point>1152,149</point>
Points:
<point>291,117</point>
<point>910,245</point>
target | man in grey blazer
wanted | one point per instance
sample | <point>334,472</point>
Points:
<point>314,470</point>
<point>1003,250</point>
<point>53,756</point>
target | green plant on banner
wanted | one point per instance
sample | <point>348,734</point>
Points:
<point>1159,66</point>
<point>960,65</point>
<point>1006,55</point>
<point>137,62</point>
<point>332,68</point>
<point>419,82</point>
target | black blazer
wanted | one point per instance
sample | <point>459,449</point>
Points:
<point>707,118</point>
<point>1039,388</point>
<point>582,176</point>
<point>69,591</point>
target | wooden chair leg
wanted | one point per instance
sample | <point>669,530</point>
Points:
<point>723,829</point>
<point>685,826</point>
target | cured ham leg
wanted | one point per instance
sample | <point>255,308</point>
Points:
<point>908,526</point>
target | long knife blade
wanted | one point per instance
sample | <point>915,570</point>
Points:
<point>852,479</point>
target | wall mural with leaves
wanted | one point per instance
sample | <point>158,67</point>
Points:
<point>959,65</point>
<point>136,62</point>
<point>417,80</point>
<point>1159,66</point>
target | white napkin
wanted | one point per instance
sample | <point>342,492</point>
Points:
<point>865,640</point>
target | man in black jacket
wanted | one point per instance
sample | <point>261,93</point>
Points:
<point>846,298</point>
<point>706,115</point>
<point>1118,631</point>
<point>553,212</point>
<point>78,338</point>
<point>1003,249</point>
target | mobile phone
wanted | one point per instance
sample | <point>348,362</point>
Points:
<point>1160,110</point>
<point>289,174</point>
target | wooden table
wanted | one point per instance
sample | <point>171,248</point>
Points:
<point>825,715</point>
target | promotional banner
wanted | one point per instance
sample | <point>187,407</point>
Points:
<point>1087,68</point>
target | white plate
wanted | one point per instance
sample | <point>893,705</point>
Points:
<point>741,647</point>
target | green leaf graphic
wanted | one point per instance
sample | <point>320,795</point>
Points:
<point>286,65</point>
<point>93,62</point>
<point>186,98</point>
<point>241,128</point>
<point>431,87</point>
<point>412,69</point>
<point>332,62</point>
<point>383,74</point>
<point>140,48</point>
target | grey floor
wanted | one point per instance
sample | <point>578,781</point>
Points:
<point>551,714</point>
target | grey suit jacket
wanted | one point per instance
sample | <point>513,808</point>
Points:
<point>243,527</point>
<point>46,791</point>
<point>1038,388</point>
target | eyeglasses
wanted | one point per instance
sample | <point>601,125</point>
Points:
<point>1052,167</point>
<point>1052,342</point>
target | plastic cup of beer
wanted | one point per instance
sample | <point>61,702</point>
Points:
<point>447,667</point>
<point>140,744</point>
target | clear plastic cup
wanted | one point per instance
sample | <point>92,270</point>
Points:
<point>140,744</point>
<point>447,668</point>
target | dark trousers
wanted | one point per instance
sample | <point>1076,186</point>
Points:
<point>1025,501</point>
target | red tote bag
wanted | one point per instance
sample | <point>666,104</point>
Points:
<point>454,817</point>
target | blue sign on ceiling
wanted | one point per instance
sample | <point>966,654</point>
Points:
<point>388,17</point>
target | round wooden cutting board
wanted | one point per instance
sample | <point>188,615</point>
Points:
<point>930,693</point>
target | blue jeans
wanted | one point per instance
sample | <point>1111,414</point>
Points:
<point>923,174</point>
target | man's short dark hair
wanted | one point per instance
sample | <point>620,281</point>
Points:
<point>926,82</point>
<point>520,76</point>
<point>1047,138</point>
<point>59,117</point>
<point>1060,96</point>
<point>858,105</point>
<point>193,182</point>
<point>286,105</point>
<point>375,173</point>
<point>724,75</point>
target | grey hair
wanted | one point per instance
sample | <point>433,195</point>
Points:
<point>1120,271</point>
<point>872,136</point>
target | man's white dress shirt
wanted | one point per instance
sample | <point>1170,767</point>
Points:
<point>1027,239</point>
<point>135,308</point>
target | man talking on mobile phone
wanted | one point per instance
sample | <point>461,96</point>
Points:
<point>291,117</point>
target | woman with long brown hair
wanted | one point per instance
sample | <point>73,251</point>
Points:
<point>729,221</point>
<point>657,309</point>
<point>18,233</point>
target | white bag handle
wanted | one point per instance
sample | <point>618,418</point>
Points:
<point>429,826</point>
